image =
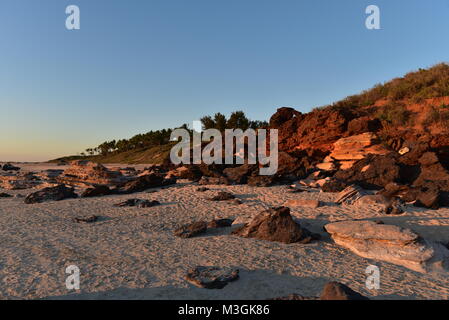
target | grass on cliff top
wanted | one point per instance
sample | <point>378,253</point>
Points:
<point>414,86</point>
<point>153,155</point>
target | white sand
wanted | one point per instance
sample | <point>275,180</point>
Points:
<point>131,253</point>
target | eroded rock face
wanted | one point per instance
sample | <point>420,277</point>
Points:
<point>372,172</point>
<point>212,277</point>
<point>275,224</point>
<point>389,243</point>
<point>357,147</point>
<point>432,170</point>
<point>88,173</point>
<point>57,193</point>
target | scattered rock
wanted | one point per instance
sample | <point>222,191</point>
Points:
<point>12,181</point>
<point>303,203</point>
<point>404,150</point>
<point>275,224</point>
<point>90,219</point>
<point>220,223</point>
<point>223,196</point>
<point>140,203</point>
<point>213,181</point>
<point>202,189</point>
<point>239,175</point>
<point>389,243</point>
<point>212,277</point>
<point>339,291</point>
<point>334,185</point>
<point>96,191</point>
<point>261,181</point>
<point>57,193</point>
<point>10,167</point>
<point>143,183</point>
<point>350,195</point>
<point>5,195</point>
<point>191,230</point>
<point>394,209</point>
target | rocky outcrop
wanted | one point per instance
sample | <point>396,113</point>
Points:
<point>87,173</point>
<point>372,172</point>
<point>346,151</point>
<point>432,170</point>
<point>275,224</point>
<point>310,132</point>
<point>57,193</point>
<point>12,181</point>
<point>212,277</point>
<point>427,195</point>
<point>389,243</point>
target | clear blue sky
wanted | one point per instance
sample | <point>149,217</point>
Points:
<point>138,65</point>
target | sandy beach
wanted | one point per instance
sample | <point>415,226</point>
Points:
<point>132,253</point>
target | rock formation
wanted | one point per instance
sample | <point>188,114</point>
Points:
<point>275,224</point>
<point>391,244</point>
<point>212,277</point>
<point>57,193</point>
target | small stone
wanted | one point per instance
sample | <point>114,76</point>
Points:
<point>212,277</point>
<point>223,196</point>
<point>140,203</point>
<point>86,219</point>
<point>191,230</point>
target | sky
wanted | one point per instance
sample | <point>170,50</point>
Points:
<point>142,65</point>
